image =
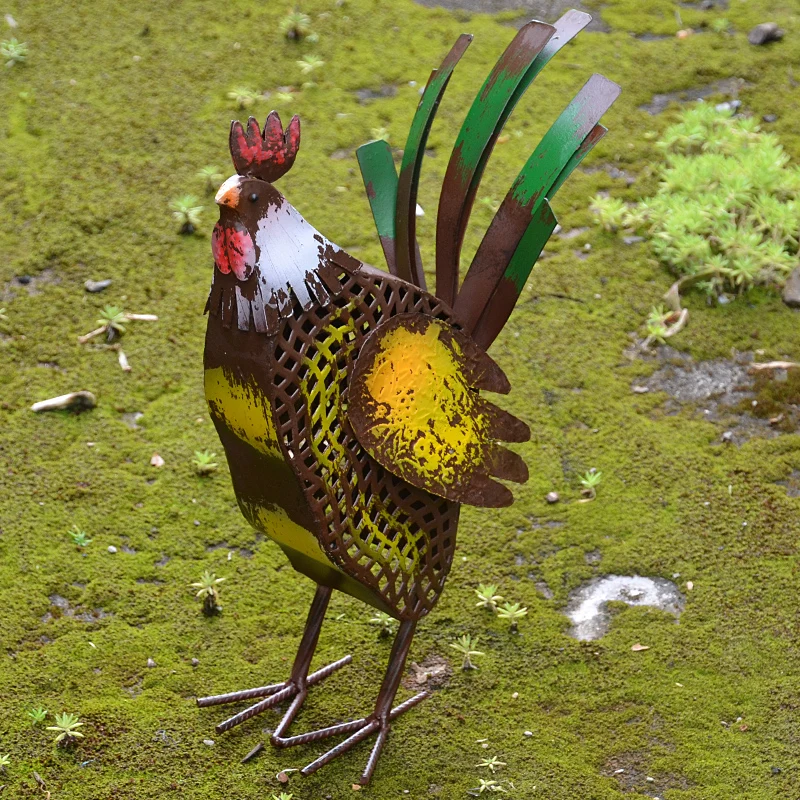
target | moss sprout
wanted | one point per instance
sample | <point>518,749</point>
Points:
<point>208,591</point>
<point>13,52</point>
<point>67,729</point>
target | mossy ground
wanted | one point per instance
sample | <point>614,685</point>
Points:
<point>117,108</point>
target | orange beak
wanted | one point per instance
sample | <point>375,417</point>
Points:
<point>228,194</point>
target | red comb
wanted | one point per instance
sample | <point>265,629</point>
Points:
<point>267,155</point>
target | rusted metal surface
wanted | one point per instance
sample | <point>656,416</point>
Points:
<point>409,264</point>
<point>267,154</point>
<point>540,173</point>
<point>299,681</point>
<point>348,400</point>
<point>534,45</point>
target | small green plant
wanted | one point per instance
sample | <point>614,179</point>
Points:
<point>13,52</point>
<point>296,25</point>
<point>487,596</point>
<point>186,210</point>
<point>204,463</point>
<point>490,785</point>
<point>493,764</point>
<point>387,623</point>
<point>79,537</point>
<point>211,177</point>
<point>113,319</point>
<point>3,315</point>
<point>283,97</point>
<point>513,612</point>
<point>724,217</point>
<point>66,725</point>
<point>282,796</point>
<point>590,481</point>
<point>243,97</point>
<point>721,25</point>
<point>380,134</point>
<point>5,761</point>
<point>208,591</point>
<point>112,322</point>
<point>308,65</point>
<point>38,715</point>
<point>465,645</point>
<point>610,212</point>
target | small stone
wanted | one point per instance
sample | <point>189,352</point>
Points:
<point>684,34</point>
<point>632,239</point>
<point>770,118</point>
<point>112,549</point>
<point>727,437</point>
<point>282,777</point>
<point>208,742</point>
<point>78,401</point>
<point>195,662</point>
<point>24,280</point>
<point>764,33</point>
<point>156,460</point>
<point>97,286</point>
<point>528,734</point>
<point>776,770</point>
<point>150,663</point>
<point>640,389</point>
<point>650,780</point>
<point>552,497</point>
<point>515,695</point>
<point>638,648</point>
<point>791,290</point>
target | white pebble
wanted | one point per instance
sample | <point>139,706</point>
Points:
<point>112,549</point>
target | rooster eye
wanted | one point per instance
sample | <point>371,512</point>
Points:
<point>253,197</point>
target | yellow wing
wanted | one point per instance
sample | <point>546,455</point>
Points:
<point>414,406</point>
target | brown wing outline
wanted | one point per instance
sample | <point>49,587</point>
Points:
<point>414,406</point>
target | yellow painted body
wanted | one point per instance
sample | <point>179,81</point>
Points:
<point>244,413</point>
<point>431,422</point>
<point>248,415</point>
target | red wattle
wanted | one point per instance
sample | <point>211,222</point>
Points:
<point>233,249</point>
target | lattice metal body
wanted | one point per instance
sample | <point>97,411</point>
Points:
<point>396,540</point>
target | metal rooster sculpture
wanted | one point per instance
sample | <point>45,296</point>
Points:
<point>347,398</point>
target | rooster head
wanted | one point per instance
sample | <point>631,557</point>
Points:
<point>260,158</point>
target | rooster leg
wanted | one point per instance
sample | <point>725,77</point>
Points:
<point>299,681</point>
<point>377,722</point>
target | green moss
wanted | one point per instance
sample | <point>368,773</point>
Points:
<point>101,132</point>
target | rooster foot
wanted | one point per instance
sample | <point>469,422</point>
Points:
<point>359,729</point>
<point>275,693</point>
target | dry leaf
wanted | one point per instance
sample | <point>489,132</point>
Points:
<point>356,787</point>
<point>639,647</point>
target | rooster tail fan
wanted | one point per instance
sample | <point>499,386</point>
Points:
<point>524,222</point>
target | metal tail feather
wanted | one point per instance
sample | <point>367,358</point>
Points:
<point>559,151</point>
<point>526,56</point>
<point>409,264</point>
<point>498,307</point>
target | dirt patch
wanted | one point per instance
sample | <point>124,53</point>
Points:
<point>728,86</point>
<point>433,672</point>
<point>727,392</point>
<point>544,10</point>
<point>629,770</point>
<point>32,284</point>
